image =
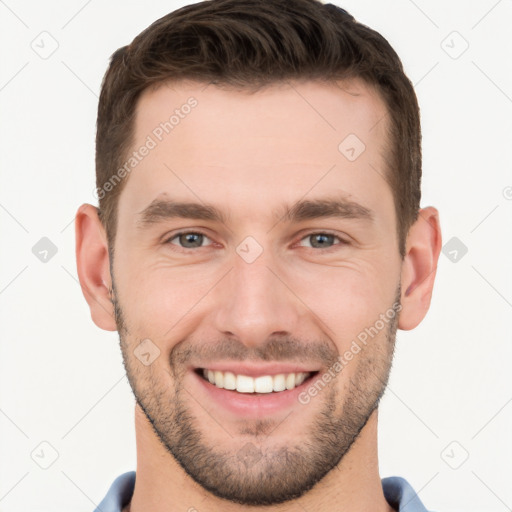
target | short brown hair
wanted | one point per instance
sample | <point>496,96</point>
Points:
<point>249,44</point>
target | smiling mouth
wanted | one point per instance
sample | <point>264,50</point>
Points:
<point>260,385</point>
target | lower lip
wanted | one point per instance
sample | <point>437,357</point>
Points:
<point>254,405</point>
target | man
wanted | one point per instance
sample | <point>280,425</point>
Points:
<point>257,244</point>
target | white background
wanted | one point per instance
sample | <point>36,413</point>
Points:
<point>61,378</point>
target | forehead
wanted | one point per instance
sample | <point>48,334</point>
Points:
<point>278,143</point>
<point>321,109</point>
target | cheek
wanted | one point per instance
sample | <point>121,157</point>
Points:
<point>158,301</point>
<point>347,298</point>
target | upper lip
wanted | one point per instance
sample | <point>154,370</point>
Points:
<point>254,370</point>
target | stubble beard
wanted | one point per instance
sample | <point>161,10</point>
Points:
<point>255,472</point>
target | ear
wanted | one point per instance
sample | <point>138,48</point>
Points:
<point>419,267</point>
<point>93,265</point>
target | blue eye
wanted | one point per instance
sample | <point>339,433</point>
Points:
<point>321,240</point>
<point>196,240</point>
<point>188,239</point>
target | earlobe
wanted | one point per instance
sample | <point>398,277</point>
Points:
<point>93,266</point>
<point>419,267</point>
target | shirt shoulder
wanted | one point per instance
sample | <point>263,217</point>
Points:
<point>401,496</point>
<point>397,491</point>
<point>119,494</point>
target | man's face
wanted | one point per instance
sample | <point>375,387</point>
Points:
<point>258,292</point>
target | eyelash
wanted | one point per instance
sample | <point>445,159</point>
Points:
<point>342,242</point>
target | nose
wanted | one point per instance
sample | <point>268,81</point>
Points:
<point>254,301</point>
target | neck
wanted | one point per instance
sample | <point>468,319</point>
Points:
<point>162,485</point>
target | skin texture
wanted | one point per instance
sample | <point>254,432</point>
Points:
<point>252,156</point>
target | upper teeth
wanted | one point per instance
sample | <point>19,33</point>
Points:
<point>246,384</point>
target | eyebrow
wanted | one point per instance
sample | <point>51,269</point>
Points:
<point>162,209</point>
<point>323,208</point>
